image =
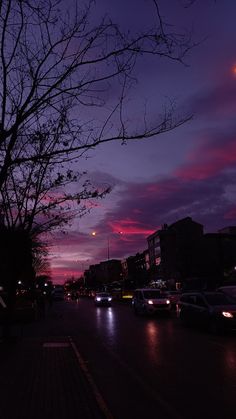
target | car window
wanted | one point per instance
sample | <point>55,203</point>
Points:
<point>185,298</point>
<point>151,294</point>
<point>199,301</point>
<point>218,299</point>
<point>231,291</point>
<point>192,299</point>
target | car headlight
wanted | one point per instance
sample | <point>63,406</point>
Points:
<point>109,299</point>
<point>150,302</point>
<point>227,314</point>
<point>167,301</point>
<point>98,298</point>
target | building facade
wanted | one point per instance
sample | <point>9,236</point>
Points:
<point>174,250</point>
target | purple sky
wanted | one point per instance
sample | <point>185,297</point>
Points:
<point>188,172</point>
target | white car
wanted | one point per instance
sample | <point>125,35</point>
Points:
<point>150,301</point>
<point>103,299</point>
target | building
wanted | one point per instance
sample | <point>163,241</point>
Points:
<point>134,269</point>
<point>231,230</point>
<point>103,273</point>
<point>219,253</point>
<point>174,250</point>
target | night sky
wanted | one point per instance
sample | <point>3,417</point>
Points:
<point>190,171</point>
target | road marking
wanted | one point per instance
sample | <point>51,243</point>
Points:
<point>56,345</point>
<point>82,363</point>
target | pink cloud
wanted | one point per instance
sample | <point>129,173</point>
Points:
<point>162,188</point>
<point>209,161</point>
<point>129,227</point>
<point>230,214</point>
<point>60,275</point>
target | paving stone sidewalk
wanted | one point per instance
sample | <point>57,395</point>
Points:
<point>40,378</point>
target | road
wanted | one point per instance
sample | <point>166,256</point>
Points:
<point>147,366</point>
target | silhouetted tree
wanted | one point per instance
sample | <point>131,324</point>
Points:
<point>57,66</point>
<point>40,196</point>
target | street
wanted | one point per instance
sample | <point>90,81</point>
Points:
<point>145,366</point>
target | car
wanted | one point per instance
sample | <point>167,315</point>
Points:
<point>150,301</point>
<point>229,290</point>
<point>212,310</point>
<point>173,296</point>
<point>103,299</point>
<point>58,294</point>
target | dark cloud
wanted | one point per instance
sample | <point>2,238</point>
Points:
<point>215,102</point>
<point>144,208</point>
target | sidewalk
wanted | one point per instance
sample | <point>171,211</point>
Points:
<point>40,378</point>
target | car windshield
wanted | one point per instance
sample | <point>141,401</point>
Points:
<point>151,294</point>
<point>231,291</point>
<point>169,293</point>
<point>218,299</point>
<point>103,294</point>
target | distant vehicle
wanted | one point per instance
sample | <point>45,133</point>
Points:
<point>229,290</point>
<point>71,295</point>
<point>58,294</point>
<point>103,299</point>
<point>212,310</point>
<point>150,301</point>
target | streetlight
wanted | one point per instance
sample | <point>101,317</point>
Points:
<point>94,233</point>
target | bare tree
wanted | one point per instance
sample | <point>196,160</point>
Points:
<point>36,196</point>
<point>56,67</point>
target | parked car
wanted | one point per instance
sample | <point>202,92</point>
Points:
<point>173,296</point>
<point>212,310</point>
<point>103,299</point>
<point>229,290</point>
<point>150,301</point>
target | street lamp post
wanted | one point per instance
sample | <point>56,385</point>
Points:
<point>108,248</point>
<point>108,241</point>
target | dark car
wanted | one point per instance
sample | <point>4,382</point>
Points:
<point>173,296</point>
<point>229,290</point>
<point>58,294</point>
<point>213,310</point>
<point>103,299</point>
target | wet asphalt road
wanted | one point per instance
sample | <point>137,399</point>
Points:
<point>147,367</point>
